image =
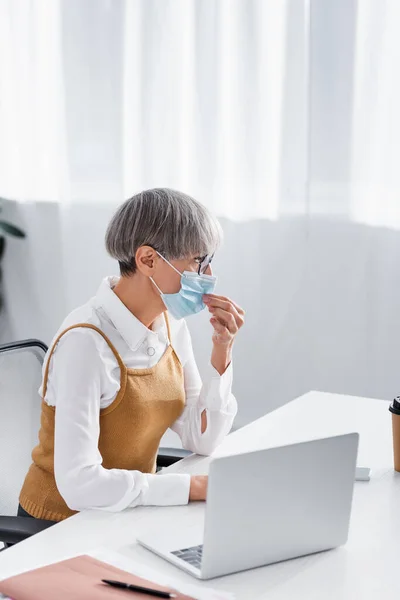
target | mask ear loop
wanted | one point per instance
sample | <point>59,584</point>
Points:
<point>168,263</point>
<point>159,291</point>
<point>154,283</point>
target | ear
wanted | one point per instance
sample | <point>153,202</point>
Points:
<point>146,258</point>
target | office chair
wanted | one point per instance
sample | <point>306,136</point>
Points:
<point>20,378</point>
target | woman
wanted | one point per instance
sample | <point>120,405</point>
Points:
<point>121,370</point>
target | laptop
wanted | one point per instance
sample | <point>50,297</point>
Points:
<point>267,506</point>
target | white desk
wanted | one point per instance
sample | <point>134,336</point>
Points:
<point>365,568</point>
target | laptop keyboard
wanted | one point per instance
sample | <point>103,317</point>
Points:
<point>190,555</point>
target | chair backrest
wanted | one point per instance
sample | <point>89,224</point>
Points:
<point>20,378</point>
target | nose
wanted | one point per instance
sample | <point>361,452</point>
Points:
<point>208,271</point>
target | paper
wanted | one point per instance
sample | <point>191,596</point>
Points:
<point>195,591</point>
<point>78,578</point>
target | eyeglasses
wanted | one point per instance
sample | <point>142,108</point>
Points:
<point>204,262</point>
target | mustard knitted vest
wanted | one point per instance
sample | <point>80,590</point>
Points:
<point>148,402</point>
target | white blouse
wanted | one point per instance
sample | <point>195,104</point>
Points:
<point>84,377</point>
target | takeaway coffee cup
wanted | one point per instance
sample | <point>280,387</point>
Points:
<point>395,410</point>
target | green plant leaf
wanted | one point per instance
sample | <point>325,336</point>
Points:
<point>11,229</point>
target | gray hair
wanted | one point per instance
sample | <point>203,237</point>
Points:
<point>174,224</point>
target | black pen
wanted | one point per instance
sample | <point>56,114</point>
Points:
<point>138,588</point>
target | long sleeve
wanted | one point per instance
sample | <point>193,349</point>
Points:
<point>77,373</point>
<point>214,396</point>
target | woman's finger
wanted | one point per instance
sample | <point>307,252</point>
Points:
<point>227,306</point>
<point>227,319</point>
<point>220,331</point>
<point>225,299</point>
<point>218,326</point>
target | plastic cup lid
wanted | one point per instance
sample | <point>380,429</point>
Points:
<point>395,406</point>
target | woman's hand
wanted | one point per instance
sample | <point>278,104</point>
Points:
<point>198,488</point>
<point>227,318</point>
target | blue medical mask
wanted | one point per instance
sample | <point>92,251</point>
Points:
<point>189,300</point>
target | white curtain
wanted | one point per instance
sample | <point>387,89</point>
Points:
<point>375,173</point>
<point>222,98</point>
<point>280,115</point>
<point>104,98</point>
<point>33,136</point>
<point>204,102</point>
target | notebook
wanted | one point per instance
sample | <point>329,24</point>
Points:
<point>76,579</point>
